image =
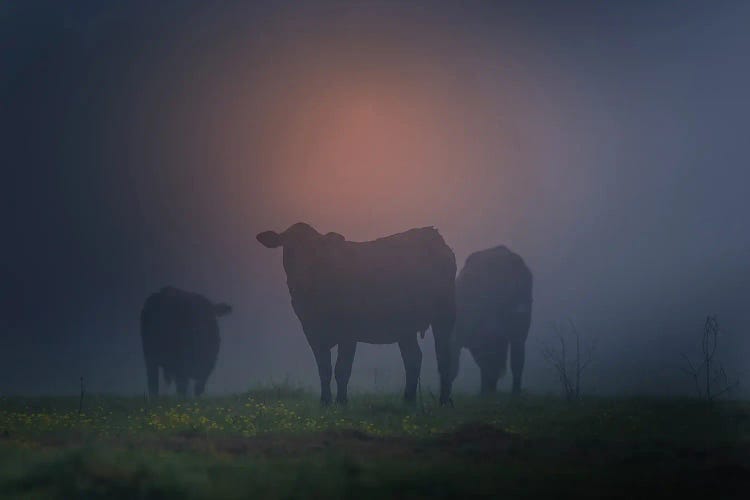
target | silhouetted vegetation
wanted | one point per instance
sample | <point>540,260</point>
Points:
<point>710,378</point>
<point>568,365</point>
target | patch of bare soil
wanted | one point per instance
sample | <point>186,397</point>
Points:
<point>475,442</point>
<point>471,439</point>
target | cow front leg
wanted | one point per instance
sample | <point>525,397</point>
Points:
<point>344,361</point>
<point>323,358</point>
<point>411,354</point>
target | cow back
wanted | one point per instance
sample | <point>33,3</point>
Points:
<point>394,279</point>
<point>179,329</point>
<point>492,284</point>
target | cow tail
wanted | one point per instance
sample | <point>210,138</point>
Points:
<point>503,360</point>
<point>222,309</point>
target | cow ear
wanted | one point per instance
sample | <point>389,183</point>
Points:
<point>334,237</point>
<point>269,239</point>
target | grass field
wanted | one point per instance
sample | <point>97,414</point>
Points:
<point>279,443</point>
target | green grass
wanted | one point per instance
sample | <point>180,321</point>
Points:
<point>279,443</point>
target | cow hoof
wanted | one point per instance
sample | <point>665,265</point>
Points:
<point>342,401</point>
<point>446,402</point>
<point>325,402</point>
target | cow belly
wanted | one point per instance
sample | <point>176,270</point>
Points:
<point>335,332</point>
<point>381,337</point>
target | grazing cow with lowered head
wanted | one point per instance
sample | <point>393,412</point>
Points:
<point>379,292</point>
<point>180,334</point>
<point>493,313</point>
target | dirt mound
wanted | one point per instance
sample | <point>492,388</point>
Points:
<point>477,438</point>
<point>469,439</point>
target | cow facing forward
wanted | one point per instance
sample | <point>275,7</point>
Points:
<point>493,309</point>
<point>180,334</point>
<point>378,292</point>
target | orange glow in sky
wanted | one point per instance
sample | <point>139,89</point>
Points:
<point>390,153</point>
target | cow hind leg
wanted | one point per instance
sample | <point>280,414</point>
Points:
<point>443,331</point>
<point>492,361</point>
<point>343,370</point>
<point>455,358</point>
<point>323,359</point>
<point>490,377</point>
<point>182,384</point>
<point>411,354</point>
<point>152,375</point>
<point>517,361</point>
<point>200,387</point>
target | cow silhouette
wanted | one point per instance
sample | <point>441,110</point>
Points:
<point>180,334</point>
<point>493,314</point>
<point>377,292</point>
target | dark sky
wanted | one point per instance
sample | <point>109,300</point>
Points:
<point>145,145</point>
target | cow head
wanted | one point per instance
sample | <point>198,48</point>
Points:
<point>298,235</point>
<point>302,246</point>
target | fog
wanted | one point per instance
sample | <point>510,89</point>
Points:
<point>144,146</point>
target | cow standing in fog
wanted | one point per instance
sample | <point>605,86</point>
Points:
<point>493,313</point>
<point>378,292</point>
<point>180,334</point>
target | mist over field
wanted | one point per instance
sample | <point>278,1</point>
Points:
<point>146,145</point>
